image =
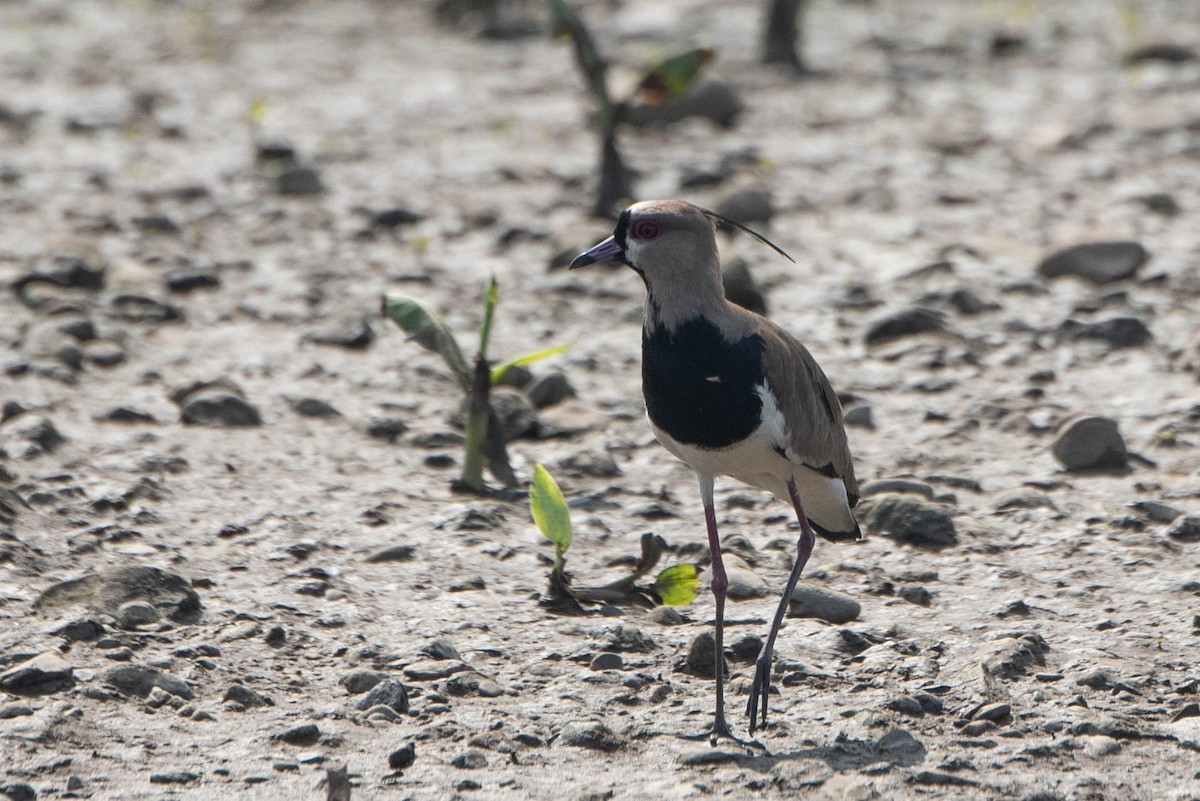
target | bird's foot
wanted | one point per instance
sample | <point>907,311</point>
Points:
<point>720,731</point>
<point>760,690</point>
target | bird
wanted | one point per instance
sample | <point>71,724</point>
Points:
<point>731,393</point>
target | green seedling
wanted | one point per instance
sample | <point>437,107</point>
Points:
<point>675,586</point>
<point>484,436</point>
<point>664,82</point>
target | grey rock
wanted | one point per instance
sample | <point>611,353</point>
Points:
<point>170,593</point>
<point>301,734</point>
<point>132,614</point>
<point>440,649</point>
<point>995,712</point>
<point>517,416</point>
<point>351,334</point>
<point>390,693</point>
<point>550,389</point>
<point>387,429</point>
<point>701,656</point>
<point>19,791</point>
<point>915,595</point>
<point>1186,529</point>
<point>912,522</point>
<point>859,416</point>
<point>628,639</point>
<point>1012,657</point>
<point>433,669</point>
<point>15,711</point>
<point>183,280</point>
<point>741,288</point>
<point>904,324</point>
<point>827,605</point>
<point>607,661</point>
<point>125,414</point>
<point>314,407</point>
<point>471,759</point>
<point>176,777</point>
<point>394,217</point>
<point>403,757</point>
<point>360,681</point>
<point>591,735</point>
<point>1090,443</point>
<point>1098,679</point>
<point>1118,332</point>
<point>136,308</point>
<point>906,705</point>
<point>896,485</point>
<point>298,179</point>
<point>42,675</point>
<point>219,409</point>
<point>1100,746</point>
<point>1158,512</point>
<point>589,462</point>
<point>396,553</point>
<point>29,435</point>
<point>1097,262</point>
<point>139,680</point>
<point>246,698</point>
<point>746,648</point>
<point>749,206</point>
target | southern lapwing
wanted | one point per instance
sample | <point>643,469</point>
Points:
<point>732,394</point>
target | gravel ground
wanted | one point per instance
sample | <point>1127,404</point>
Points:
<point>230,555</point>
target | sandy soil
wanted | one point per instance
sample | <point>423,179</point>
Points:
<point>128,134</point>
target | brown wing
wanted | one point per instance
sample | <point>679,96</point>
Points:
<point>811,411</point>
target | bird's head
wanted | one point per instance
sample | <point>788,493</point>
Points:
<point>665,241</point>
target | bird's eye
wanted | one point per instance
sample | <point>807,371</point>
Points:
<point>646,229</point>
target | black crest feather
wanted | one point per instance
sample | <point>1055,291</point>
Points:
<point>719,220</point>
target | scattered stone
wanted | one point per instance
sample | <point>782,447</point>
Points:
<point>1187,529</point>
<point>1164,52</point>
<point>815,602</point>
<point>136,308</point>
<point>607,661</point>
<point>589,462</point>
<point>403,757</point>
<point>1191,710</point>
<point>42,675</point>
<point>906,705</point>
<point>859,416</point>
<point>1098,679</point>
<point>219,409</point>
<point>1097,262</point>
<point>1161,203</point>
<point>1157,512</point>
<point>19,791</point>
<point>896,485</point>
<point>939,779</point>
<point>169,593</point>
<point>360,681</point>
<point>912,522</point>
<point>302,734</point>
<point>139,680</point>
<point>471,759</point>
<point>741,288</point>
<point>396,553</point>
<point>1012,657</point>
<point>1091,443</point>
<point>1119,332</point>
<point>389,693</point>
<point>21,711</point>
<point>915,595</point>
<point>591,735</point>
<point>314,407</point>
<point>133,614</point>
<point>749,206</point>
<point>628,639</point>
<point>178,777</point>
<point>351,334</point>
<point>298,179</point>
<point>995,712</point>
<point>518,419</point>
<point>246,698</point>
<point>394,217</point>
<point>701,656</point>
<point>125,414</point>
<point>1100,746</point>
<point>183,280</point>
<point>26,436</point>
<point>441,650</point>
<point>905,324</point>
<point>549,390</point>
<point>387,429</point>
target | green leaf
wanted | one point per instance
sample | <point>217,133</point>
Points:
<point>527,358</point>
<point>549,510</point>
<point>678,585</point>
<point>668,80</point>
<point>425,326</point>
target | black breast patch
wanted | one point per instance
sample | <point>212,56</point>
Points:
<point>699,388</point>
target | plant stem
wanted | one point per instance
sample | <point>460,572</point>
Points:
<point>491,297</point>
<point>478,410</point>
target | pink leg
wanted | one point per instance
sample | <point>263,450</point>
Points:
<point>762,674</point>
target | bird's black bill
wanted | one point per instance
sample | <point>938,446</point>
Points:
<point>605,251</point>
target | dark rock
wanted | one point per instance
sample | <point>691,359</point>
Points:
<point>916,595</point>
<point>178,777</point>
<point>394,217</point>
<point>144,309</point>
<point>904,324</point>
<point>859,417</point>
<point>245,697</point>
<point>15,711</point>
<point>815,602</point>
<point>701,656</point>
<point>549,390</point>
<point>1165,53</point>
<point>1187,529</point>
<point>516,414</point>
<point>913,522</point>
<point>302,734</point>
<point>298,179</point>
<point>746,648</point>
<point>1161,203</point>
<point>390,693</point>
<point>84,630</point>
<point>124,414</point>
<point>1097,262</point>
<point>42,675</point>
<point>403,757</point>
<point>155,224</point>
<point>361,681</point>
<point>182,280</point>
<point>591,463</point>
<point>741,288</point>
<point>134,614</point>
<point>906,705</point>
<point>1012,657</point>
<point>607,661</point>
<point>275,150</point>
<point>748,206</point>
<point>1119,332</point>
<point>219,408</point>
<point>396,553</point>
<point>29,435</point>
<point>471,759</point>
<point>170,593</point>
<point>355,334</point>
<point>387,429</point>
<point>314,407</point>
<point>627,639</point>
<point>593,736</point>
<point>441,650</point>
<point>1090,443</point>
<point>140,680</point>
<point>276,636</point>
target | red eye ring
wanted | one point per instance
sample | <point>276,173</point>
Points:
<point>646,229</point>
